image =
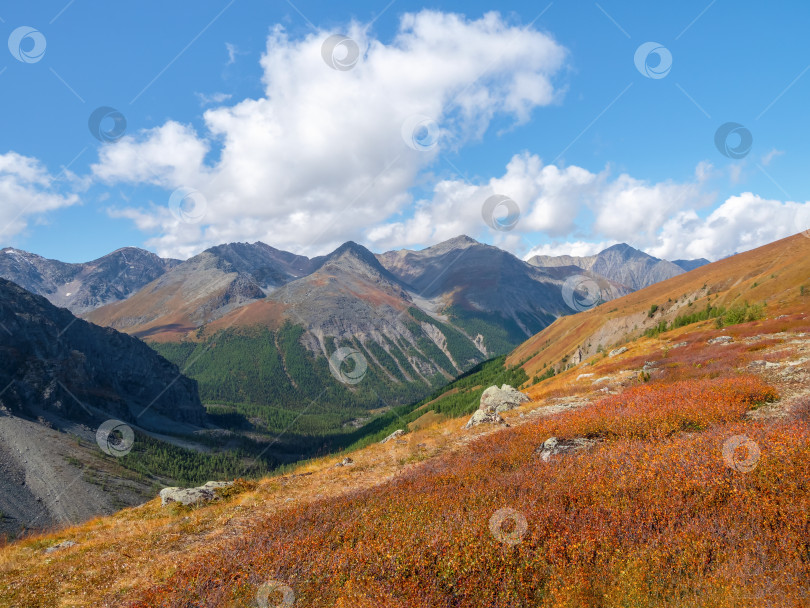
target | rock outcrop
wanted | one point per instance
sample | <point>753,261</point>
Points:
<point>484,417</point>
<point>395,435</point>
<point>67,544</point>
<point>554,446</point>
<point>193,496</point>
<point>502,399</point>
<point>495,400</point>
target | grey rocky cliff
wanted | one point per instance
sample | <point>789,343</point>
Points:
<point>56,362</point>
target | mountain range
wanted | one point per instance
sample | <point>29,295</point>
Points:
<point>226,276</point>
<point>417,318</point>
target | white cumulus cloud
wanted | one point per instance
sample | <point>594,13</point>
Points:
<point>320,157</point>
<point>27,191</point>
<point>739,224</point>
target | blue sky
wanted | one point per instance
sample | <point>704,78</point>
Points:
<point>636,155</point>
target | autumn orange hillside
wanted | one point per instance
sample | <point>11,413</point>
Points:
<point>772,274</point>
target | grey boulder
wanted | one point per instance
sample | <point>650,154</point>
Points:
<point>193,496</point>
<point>502,399</point>
<point>554,446</point>
<point>483,417</point>
<point>495,400</point>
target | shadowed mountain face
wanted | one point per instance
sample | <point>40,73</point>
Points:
<point>54,362</point>
<point>83,287</point>
<point>623,264</point>
<point>61,378</point>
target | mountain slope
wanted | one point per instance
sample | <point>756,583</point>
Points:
<point>349,301</point>
<point>470,283</point>
<point>83,287</point>
<point>770,274</point>
<point>55,362</point>
<point>202,289</point>
<point>61,378</point>
<point>621,263</point>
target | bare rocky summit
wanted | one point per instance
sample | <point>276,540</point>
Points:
<point>623,264</point>
<point>83,287</point>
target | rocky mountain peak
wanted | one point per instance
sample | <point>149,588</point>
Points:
<point>351,257</point>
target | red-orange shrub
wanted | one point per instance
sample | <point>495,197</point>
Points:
<point>662,409</point>
<point>649,518</point>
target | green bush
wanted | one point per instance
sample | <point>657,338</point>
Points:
<point>744,313</point>
<point>710,312</point>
